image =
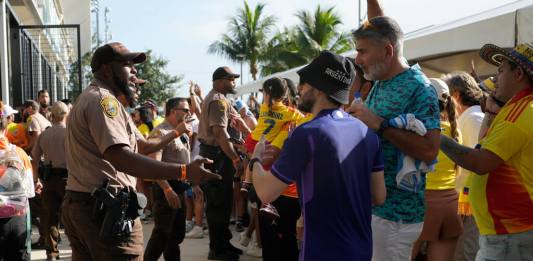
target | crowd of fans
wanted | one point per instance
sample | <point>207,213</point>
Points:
<point>365,158</point>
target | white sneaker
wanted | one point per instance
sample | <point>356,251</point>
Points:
<point>189,225</point>
<point>254,250</point>
<point>196,232</point>
<point>244,240</point>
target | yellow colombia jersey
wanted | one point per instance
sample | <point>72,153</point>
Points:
<point>445,172</point>
<point>502,201</point>
<point>271,121</point>
<point>284,133</point>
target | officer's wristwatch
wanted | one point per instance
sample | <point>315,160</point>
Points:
<point>382,126</point>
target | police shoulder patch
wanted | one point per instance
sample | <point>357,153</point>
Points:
<point>223,105</point>
<point>109,106</point>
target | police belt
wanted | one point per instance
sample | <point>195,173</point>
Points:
<point>78,196</point>
<point>61,172</point>
<point>209,149</point>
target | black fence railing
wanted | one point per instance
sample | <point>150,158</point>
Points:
<point>45,57</point>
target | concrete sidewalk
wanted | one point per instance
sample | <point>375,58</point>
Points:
<point>191,249</point>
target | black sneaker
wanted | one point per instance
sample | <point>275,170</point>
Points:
<point>233,249</point>
<point>222,255</point>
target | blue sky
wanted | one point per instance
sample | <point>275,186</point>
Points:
<point>181,31</point>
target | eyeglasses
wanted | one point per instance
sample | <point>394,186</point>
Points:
<point>183,110</point>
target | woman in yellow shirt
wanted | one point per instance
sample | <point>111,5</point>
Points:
<point>442,224</point>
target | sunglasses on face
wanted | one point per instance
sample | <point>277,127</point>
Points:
<point>183,110</point>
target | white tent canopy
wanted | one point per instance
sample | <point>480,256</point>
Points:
<point>452,46</point>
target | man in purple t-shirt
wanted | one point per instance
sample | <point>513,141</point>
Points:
<point>336,162</point>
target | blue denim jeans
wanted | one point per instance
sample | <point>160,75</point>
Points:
<point>510,247</point>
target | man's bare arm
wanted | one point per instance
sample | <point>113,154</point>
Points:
<point>150,146</point>
<point>267,187</point>
<point>33,137</point>
<point>424,148</point>
<point>377,188</point>
<point>124,159</point>
<point>479,161</point>
<point>374,9</point>
<point>222,137</point>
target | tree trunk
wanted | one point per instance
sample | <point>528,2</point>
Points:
<point>253,70</point>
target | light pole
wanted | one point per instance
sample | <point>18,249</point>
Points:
<point>107,21</point>
<point>241,57</point>
<point>96,10</point>
<point>359,15</point>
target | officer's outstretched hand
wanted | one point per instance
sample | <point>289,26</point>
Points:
<point>197,174</point>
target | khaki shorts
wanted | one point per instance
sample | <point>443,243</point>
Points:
<point>441,220</point>
<point>85,242</point>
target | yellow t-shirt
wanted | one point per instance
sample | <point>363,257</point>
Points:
<point>158,120</point>
<point>144,130</point>
<point>271,121</point>
<point>445,171</point>
<point>502,200</point>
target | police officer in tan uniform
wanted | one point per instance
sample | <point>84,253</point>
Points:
<point>101,145</point>
<point>51,145</point>
<point>36,122</point>
<point>168,201</point>
<point>217,115</point>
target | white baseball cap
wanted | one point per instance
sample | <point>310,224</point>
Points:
<point>8,111</point>
<point>441,88</point>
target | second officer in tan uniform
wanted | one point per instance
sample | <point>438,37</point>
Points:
<point>101,145</point>
<point>51,146</point>
<point>217,115</point>
<point>168,204</point>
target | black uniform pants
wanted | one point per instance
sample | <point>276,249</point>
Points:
<point>169,228</point>
<point>219,198</point>
<point>279,237</point>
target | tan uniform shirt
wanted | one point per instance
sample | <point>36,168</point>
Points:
<point>216,110</point>
<point>37,122</point>
<point>51,144</point>
<point>46,113</point>
<point>96,122</point>
<point>176,151</point>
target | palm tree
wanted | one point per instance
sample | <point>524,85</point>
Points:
<point>320,31</point>
<point>282,53</point>
<point>297,46</point>
<point>246,37</point>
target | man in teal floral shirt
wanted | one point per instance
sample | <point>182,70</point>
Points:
<point>399,89</point>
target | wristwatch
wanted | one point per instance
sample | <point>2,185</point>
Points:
<point>252,162</point>
<point>382,126</point>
